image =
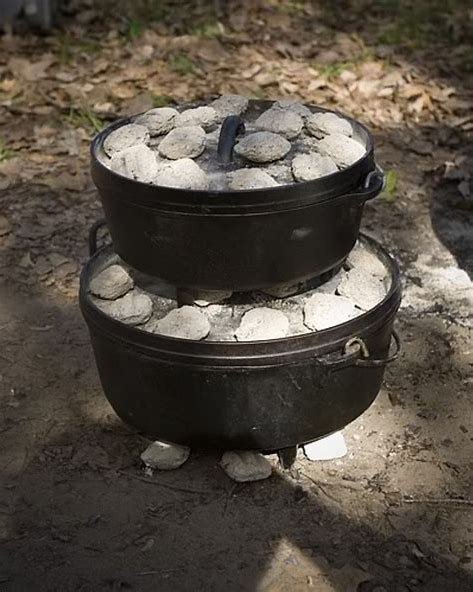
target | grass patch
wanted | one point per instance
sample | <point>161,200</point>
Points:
<point>5,153</point>
<point>390,189</point>
<point>182,64</point>
<point>161,100</point>
<point>83,117</point>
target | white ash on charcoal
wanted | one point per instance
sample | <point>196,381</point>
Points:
<point>229,105</point>
<point>250,179</point>
<point>323,124</point>
<point>262,147</point>
<point>137,162</point>
<point>183,142</point>
<point>164,456</point>
<point>125,137</point>
<point>221,316</point>
<point>288,142</point>
<point>245,465</point>
<point>343,150</point>
<point>186,322</point>
<point>183,173</point>
<point>280,121</point>
<point>307,167</point>
<point>111,283</point>
<point>158,121</point>
<point>134,308</point>
<point>204,117</point>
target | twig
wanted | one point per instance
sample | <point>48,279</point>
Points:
<point>166,485</point>
<point>320,487</point>
<point>446,500</point>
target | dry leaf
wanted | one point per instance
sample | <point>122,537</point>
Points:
<point>30,71</point>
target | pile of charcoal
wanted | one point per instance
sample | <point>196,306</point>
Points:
<point>285,144</point>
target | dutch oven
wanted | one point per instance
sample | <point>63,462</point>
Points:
<point>262,395</point>
<point>237,240</point>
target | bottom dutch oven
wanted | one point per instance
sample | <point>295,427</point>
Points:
<point>265,395</point>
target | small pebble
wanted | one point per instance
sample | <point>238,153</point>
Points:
<point>322,311</point>
<point>280,121</point>
<point>164,456</point>
<point>245,465</point>
<point>328,448</point>
<point>230,105</point>
<point>183,173</point>
<point>295,107</point>
<point>124,137</point>
<point>307,167</point>
<point>134,308</point>
<point>204,117</point>
<point>320,124</point>
<point>365,290</point>
<point>366,261</point>
<point>183,142</point>
<point>262,323</point>
<point>186,322</point>
<point>158,121</point>
<point>249,179</point>
<point>343,150</point>
<point>111,283</point>
<point>137,162</point>
<point>263,147</point>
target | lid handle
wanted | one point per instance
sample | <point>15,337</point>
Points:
<point>232,127</point>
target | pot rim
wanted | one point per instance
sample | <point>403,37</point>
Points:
<point>249,353</point>
<point>318,190</point>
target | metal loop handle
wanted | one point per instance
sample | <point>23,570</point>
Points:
<point>232,126</point>
<point>356,353</point>
<point>94,229</point>
<point>373,185</point>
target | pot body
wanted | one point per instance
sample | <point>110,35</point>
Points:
<point>236,240</point>
<point>260,396</point>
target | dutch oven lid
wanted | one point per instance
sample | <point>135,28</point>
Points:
<point>270,155</point>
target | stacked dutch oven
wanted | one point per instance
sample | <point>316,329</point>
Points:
<point>219,214</point>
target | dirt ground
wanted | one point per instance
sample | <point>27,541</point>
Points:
<point>77,512</point>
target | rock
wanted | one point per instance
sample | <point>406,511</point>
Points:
<point>134,308</point>
<point>204,117</point>
<point>321,124</point>
<point>158,121</point>
<point>183,142</point>
<point>263,147</point>
<point>183,173</point>
<point>322,311</point>
<point>295,107</point>
<point>363,289</point>
<point>165,456</point>
<point>186,322</point>
<point>280,121</point>
<point>125,137</point>
<point>343,150</point>
<point>307,167</point>
<point>328,448</point>
<point>249,179</point>
<point>137,162</point>
<point>111,283</point>
<point>245,465</point>
<point>364,260</point>
<point>282,291</point>
<point>262,323</point>
<point>229,105</point>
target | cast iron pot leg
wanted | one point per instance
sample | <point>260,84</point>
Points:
<point>287,456</point>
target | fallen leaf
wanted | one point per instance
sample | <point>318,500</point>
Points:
<point>28,70</point>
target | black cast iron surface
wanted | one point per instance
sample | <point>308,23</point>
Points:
<point>237,240</point>
<point>265,395</point>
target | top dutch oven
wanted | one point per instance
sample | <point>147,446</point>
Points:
<point>237,240</point>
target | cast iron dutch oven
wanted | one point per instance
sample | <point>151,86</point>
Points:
<point>262,395</point>
<point>237,240</point>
